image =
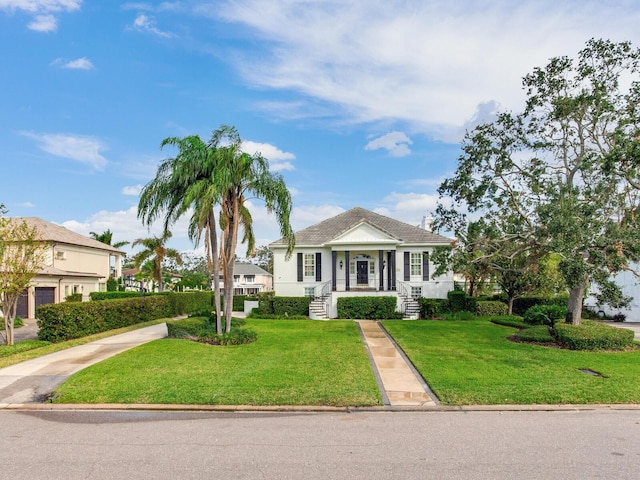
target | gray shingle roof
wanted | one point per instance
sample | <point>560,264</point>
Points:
<point>50,232</point>
<point>245,268</point>
<point>329,229</point>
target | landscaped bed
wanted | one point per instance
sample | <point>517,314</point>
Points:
<point>473,362</point>
<point>293,362</point>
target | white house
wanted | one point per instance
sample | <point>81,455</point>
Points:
<point>249,279</point>
<point>73,264</point>
<point>360,252</point>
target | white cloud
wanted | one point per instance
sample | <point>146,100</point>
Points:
<point>43,23</point>
<point>43,11</point>
<point>133,190</point>
<point>408,207</point>
<point>81,148</point>
<point>143,23</point>
<point>428,64</point>
<point>82,63</point>
<point>396,143</point>
<point>26,205</point>
<point>278,160</point>
<point>125,225</point>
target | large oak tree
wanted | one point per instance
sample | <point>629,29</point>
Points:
<point>565,169</point>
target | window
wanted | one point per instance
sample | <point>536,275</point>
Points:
<point>102,287</point>
<point>372,267</point>
<point>309,292</point>
<point>249,278</point>
<point>416,292</point>
<point>416,264</point>
<point>309,265</point>
<point>236,279</point>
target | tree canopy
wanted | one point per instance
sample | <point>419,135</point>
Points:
<point>562,176</point>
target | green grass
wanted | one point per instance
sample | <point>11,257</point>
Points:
<point>293,362</point>
<point>26,350</point>
<point>472,362</point>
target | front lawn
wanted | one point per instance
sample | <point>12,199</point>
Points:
<point>472,362</point>
<point>293,362</point>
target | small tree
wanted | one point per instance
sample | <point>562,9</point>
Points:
<point>21,256</point>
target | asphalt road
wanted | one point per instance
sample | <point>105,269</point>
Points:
<point>362,445</point>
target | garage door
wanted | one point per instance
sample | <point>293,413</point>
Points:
<point>45,295</point>
<point>22,309</point>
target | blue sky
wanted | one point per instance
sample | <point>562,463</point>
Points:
<point>355,103</point>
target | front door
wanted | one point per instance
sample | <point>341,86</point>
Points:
<point>362,273</point>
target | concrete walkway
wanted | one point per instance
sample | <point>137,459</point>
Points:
<point>33,380</point>
<point>401,383</point>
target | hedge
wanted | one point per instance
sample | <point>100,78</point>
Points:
<point>291,305</point>
<point>545,314</point>
<point>591,335</point>
<point>490,308</point>
<point>368,308</point>
<point>433,307</point>
<point>118,295</point>
<point>522,304</point>
<point>63,321</point>
<point>457,301</point>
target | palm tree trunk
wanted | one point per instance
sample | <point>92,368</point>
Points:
<point>230,242</point>
<point>215,263</point>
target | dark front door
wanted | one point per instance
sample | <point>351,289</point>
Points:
<point>362,273</point>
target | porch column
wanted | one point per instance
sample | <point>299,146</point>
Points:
<point>381,268</point>
<point>334,256</point>
<point>346,271</point>
<point>391,272</point>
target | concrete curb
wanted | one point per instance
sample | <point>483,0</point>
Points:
<point>315,409</point>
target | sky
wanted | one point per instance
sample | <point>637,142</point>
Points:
<point>355,103</point>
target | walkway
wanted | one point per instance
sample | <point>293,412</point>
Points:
<point>33,380</point>
<point>400,382</point>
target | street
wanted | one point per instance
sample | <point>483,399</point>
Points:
<point>360,445</point>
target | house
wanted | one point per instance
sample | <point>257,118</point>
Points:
<point>249,279</point>
<point>359,252</point>
<point>73,264</point>
<point>630,286</point>
<point>134,282</point>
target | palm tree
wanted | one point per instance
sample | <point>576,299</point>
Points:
<point>243,174</point>
<point>190,180</point>
<point>106,237</point>
<point>156,251</point>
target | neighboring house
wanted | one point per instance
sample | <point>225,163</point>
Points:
<point>360,252</point>
<point>133,282</point>
<point>249,279</point>
<point>73,264</point>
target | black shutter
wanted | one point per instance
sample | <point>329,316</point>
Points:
<point>425,266</point>
<point>318,267</point>
<point>407,267</point>
<point>300,266</point>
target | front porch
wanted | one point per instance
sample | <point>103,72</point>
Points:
<point>324,300</point>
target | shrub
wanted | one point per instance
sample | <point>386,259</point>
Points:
<point>522,304</point>
<point>509,321</point>
<point>118,295</point>
<point>112,285</point>
<point>265,302</point>
<point>63,321</point>
<point>291,305</point>
<point>200,330</point>
<point>368,308</point>
<point>545,314</point>
<point>74,297</point>
<point>490,308</point>
<point>433,307</point>
<point>255,313</point>
<point>537,333</point>
<point>593,336</point>
<point>457,300</point>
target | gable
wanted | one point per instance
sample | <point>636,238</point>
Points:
<point>364,234</point>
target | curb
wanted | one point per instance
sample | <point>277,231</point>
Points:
<point>314,409</point>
